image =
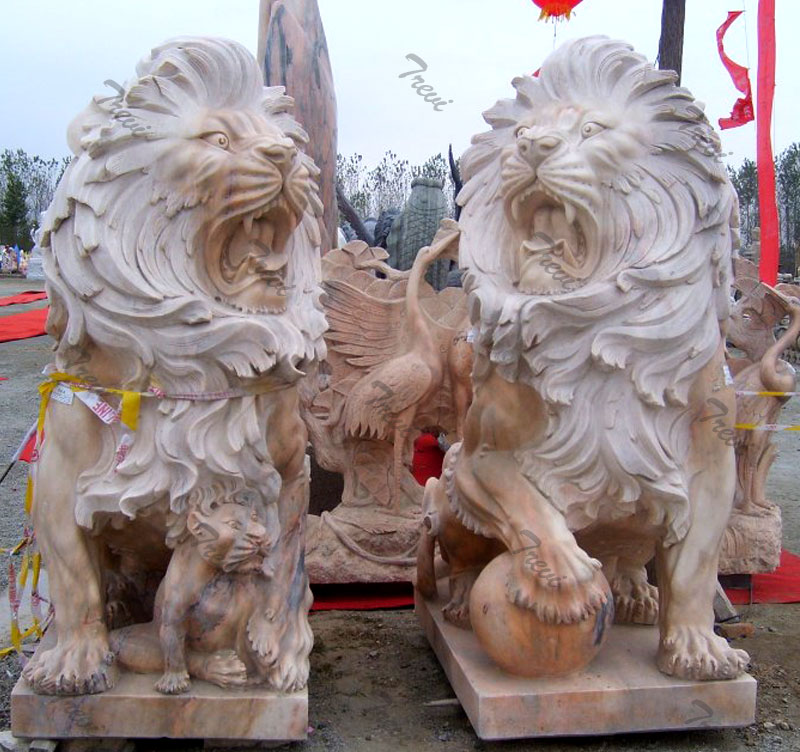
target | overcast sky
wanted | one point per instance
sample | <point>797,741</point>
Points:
<point>57,53</point>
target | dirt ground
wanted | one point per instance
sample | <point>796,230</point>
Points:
<point>373,674</point>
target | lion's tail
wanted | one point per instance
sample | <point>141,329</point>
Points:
<point>426,571</point>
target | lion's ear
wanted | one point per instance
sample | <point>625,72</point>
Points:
<point>199,528</point>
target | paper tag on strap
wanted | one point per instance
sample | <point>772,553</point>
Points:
<point>99,407</point>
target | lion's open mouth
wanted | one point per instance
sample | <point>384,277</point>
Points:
<point>553,254</point>
<point>254,262</point>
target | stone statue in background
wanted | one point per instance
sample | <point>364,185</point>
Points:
<point>752,540</point>
<point>398,362</point>
<point>416,226</point>
<point>182,260</point>
<point>597,230</point>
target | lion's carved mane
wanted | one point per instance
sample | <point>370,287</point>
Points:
<point>143,247</point>
<point>615,353</point>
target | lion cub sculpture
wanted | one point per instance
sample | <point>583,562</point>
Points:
<point>223,549</point>
<point>181,253</point>
<point>597,231</point>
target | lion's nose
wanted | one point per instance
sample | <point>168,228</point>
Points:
<point>281,154</point>
<point>256,531</point>
<point>535,149</point>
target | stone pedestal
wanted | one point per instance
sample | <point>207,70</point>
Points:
<point>621,691</point>
<point>35,265</point>
<point>752,543</point>
<point>133,709</point>
<point>359,545</point>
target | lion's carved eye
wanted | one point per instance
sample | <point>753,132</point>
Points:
<point>234,525</point>
<point>218,139</point>
<point>519,131</point>
<point>591,129</point>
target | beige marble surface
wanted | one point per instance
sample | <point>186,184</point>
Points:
<point>621,691</point>
<point>134,709</point>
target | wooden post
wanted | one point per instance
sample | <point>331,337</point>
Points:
<point>670,45</point>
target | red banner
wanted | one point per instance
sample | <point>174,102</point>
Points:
<point>767,208</point>
<point>742,111</point>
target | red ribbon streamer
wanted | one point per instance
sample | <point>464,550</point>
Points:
<point>742,111</point>
<point>767,208</point>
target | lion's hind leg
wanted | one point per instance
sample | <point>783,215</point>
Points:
<point>624,550</point>
<point>635,599</point>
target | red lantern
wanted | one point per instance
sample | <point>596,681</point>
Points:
<point>555,9</point>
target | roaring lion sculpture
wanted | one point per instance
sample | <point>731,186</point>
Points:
<point>181,254</point>
<point>597,231</point>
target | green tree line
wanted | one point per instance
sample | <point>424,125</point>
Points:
<point>787,184</point>
<point>27,185</point>
<point>387,185</point>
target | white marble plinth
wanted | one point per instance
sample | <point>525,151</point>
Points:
<point>133,709</point>
<point>35,265</point>
<point>621,691</point>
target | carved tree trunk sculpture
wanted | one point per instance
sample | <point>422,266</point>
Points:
<point>294,54</point>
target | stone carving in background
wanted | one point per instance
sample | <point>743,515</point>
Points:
<point>752,541</point>
<point>182,264</point>
<point>598,287</point>
<point>398,362</point>
<point>294,53</point>
<point>416,226</point>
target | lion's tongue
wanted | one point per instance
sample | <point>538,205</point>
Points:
<point>553,232</point>
<point>250,250</point>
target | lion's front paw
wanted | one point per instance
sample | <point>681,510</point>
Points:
<point>264,631</point>
<point>560,582</point>
<point>635,602</point>
<point>173,682</point>
<point>225,669</point>
<point>79,666</point>
<point>697,653</point>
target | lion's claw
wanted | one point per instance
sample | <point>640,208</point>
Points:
<point>557,581</point>
<point>635,600</point>
<point>173,682</point>
<point>697,653</point>
<point>225,669</point>
<point>72,667</point>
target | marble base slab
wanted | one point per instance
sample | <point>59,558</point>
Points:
<point>133,709</point>
<point>621,691</point>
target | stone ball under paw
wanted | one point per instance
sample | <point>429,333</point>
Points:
<point>520,642</point>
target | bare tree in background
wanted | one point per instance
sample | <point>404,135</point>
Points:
<point>670,46</point>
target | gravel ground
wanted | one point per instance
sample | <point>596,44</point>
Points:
<point>373,672</point>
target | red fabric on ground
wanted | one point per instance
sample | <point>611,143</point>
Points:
<point>361,596</point>
<point>23,325</point>
<point>29,296</point>
<point>780,586</point>
<point>427,462</point>
<point>27,453</point>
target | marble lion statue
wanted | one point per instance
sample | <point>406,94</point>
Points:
<point>181,253</point>
<point>597,231</point>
